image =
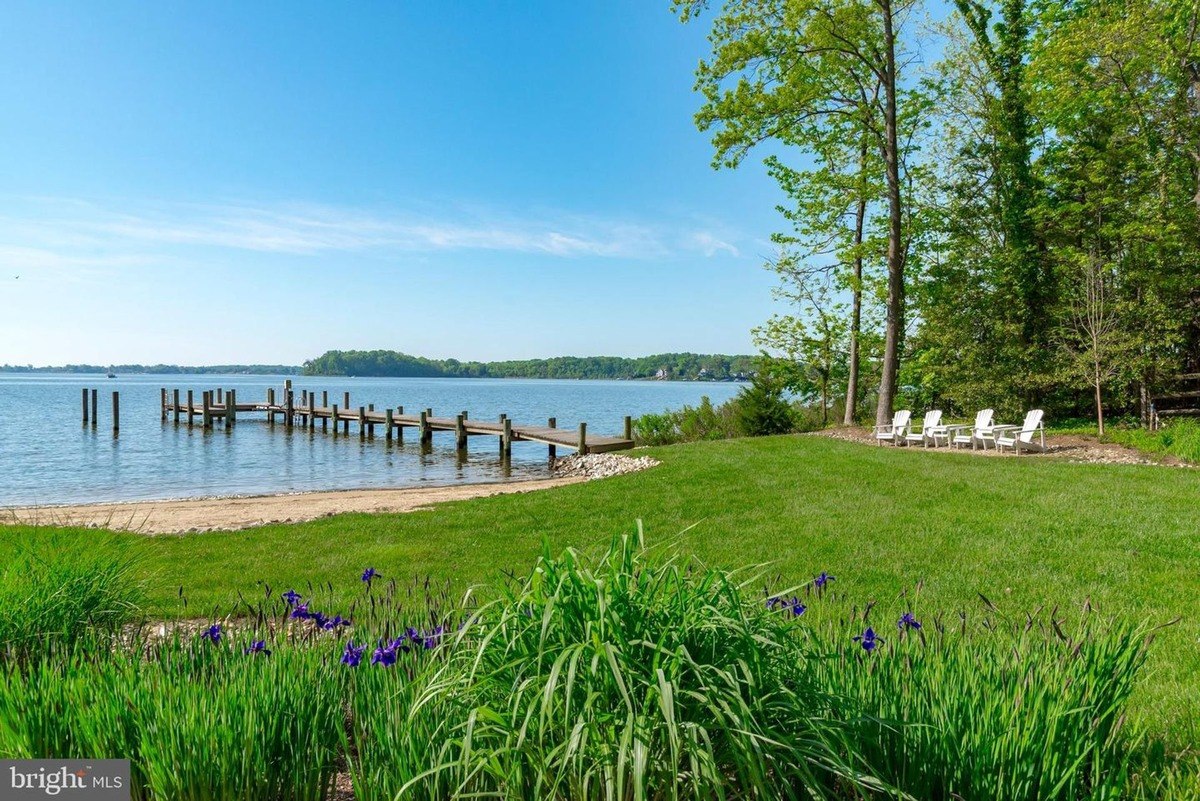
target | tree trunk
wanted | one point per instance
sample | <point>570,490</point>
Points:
<point>895,255</point>
<point>1099,409</point>
<point>860,217</point>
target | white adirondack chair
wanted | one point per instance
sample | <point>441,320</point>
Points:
<point>977,434</point>
<point>894,432</point>
<point>929,429</point>
<point>1021,437</point>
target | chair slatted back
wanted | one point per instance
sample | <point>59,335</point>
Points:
<point>1032,421</point>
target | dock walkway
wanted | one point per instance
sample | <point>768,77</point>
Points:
<point>223,405</point>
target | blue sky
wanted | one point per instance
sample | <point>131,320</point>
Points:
<point>229,182</point>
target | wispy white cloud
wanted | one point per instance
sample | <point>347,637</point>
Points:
<point>49,231</point>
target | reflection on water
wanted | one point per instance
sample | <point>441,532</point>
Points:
<point>48,457</point>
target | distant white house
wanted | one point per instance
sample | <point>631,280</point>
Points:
<point>662,373</point>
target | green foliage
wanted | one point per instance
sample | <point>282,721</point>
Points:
<point>55,591</point>
<point>633,674</point>
<point>689,424</point>
<point>1180,439</point>
<point>690,366</point>
<point>987,707</point>
<point>762,409</point>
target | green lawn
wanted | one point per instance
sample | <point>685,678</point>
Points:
<point>1023,532</point>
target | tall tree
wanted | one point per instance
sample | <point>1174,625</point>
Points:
<point>792,71</point>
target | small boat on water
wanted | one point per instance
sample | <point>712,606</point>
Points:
<point>111,374</point>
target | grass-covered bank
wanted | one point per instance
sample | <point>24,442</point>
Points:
<point>1024,532</point>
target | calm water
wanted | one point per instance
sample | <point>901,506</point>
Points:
<point>48,457</point>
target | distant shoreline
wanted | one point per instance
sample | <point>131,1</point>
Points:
<point>301,374</point>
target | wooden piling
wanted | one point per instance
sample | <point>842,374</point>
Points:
<point>95,407</point>
<point>370,425</point>
<point>220,396</point>
<point>426,433</point>
<point>85,406</point>
<point>230,408</point>
<point>289,408</point>
<point>582,449</point>
<point>460,432</point>
<point>325,405</point>
<point>389,421</point>
<point>175,404</point>
<point>553,423</point>
<point>628,427</point>
<point>334,415</point>
<point>312,411</point>
<point>506,442</point>
<point>362,422</point>
<point>163,403</point>
<point>400,426</point>
<point>191,408</point>
<point>346,405</point>
<point>206,410</point>
<point>116,411</point>
<point>271,405</point>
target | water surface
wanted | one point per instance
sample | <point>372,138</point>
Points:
<point>48,457</point>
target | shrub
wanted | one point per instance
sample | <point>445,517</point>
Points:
<point>762,409</point>
<point>689,424</point>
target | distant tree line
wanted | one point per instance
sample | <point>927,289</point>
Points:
<point>674,366</point>
<point>158,369</point>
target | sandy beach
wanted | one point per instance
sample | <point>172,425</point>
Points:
<point>223,514</point>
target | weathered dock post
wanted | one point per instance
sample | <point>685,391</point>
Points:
<point>362,422</point>
<point>506,441</point>
<point>628,427</point>
<point>346,406</point>
<point>399,426</point>
<point>206,409</point>
<point>553,423</point>
<point>370,424</point>
<point>230,408</point>
<point>116,412</point>
<point>175,404</point>
<point>582,449</point>
<point>325,405</point>
<point>191,408</point>
<point>389,421</point>
<point>95,407</point>
<point>85,406</point>
<point>312,411</point>
<point>460,432</point>
<point>163,403</point>
<point>426,433</point>
<point>334,415</point>
<point>290,410</point>
<point>220,397</point>
<point>271,405</point>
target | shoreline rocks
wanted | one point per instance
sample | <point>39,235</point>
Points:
<point>601,465</point>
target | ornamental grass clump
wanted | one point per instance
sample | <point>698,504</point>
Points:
<point>627,676</point>
<point>52,594</point>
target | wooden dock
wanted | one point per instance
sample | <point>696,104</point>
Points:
<point>307,412</point>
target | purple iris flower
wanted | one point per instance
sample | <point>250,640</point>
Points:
<point>384,655</point>
<point>331,623</point>
<point>798,607</point>
<point>301,612</point>
<point>430,640</point>
<point>353,654</point>
<point>772,603</point>
<point>291,597</point>
<point>820,581</point>
<point>868,639</point>
<point>259,647</point>
<point>212,633</point>
<point>319,619</point>
<point>370,574</point>
<point>907,621</point>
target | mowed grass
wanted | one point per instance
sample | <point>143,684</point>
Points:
<point>1024,532</point>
